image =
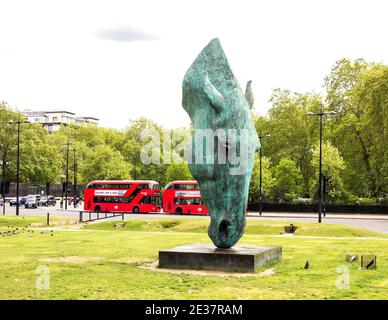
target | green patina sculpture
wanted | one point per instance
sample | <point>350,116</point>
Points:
<point>214,100</point>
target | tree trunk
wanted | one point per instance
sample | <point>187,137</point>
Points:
<point>365,157</point>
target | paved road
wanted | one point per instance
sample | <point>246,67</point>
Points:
<point>374,222</point>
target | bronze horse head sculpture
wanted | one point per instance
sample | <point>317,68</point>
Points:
<point>221,115</point>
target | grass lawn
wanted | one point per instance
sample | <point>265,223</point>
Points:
<point>102,261</point>
<point>258,227</point>
<point>31,221</point>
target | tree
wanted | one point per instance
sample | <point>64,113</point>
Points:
<point>293,134</point>
<point>104,163</point>
<point>40,161</point>
<point>267,180</point>
<point>131,150</point>
<point>357,90</point>
<point>288,180</point>
<point>7,141</point>
<point>178,171</point>
<point>371,94</point>
<point>333,165</point>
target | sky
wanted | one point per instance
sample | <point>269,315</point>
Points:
<point>120,60</point>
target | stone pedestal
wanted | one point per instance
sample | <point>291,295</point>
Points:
<point>240,258</point>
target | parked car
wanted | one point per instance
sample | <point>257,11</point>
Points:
<point>22,201</point>
<point>31,201</point>
<point>47,202</point>
<point>37,196</point>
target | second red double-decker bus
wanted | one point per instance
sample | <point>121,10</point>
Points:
<point>122,196</point>
<point>183,197</point>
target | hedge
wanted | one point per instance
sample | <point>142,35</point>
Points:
<point>330,208</point>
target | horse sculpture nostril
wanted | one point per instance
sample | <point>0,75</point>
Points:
<point>223,228</point>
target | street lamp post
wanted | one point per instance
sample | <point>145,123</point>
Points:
<point>261,172</point>
<point>320,189</point>
<point>74,179</point>
<point>18,122</point>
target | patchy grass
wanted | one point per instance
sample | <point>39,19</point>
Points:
<point>95,264</point>
<point>31,221</point>
<point>259,227</point>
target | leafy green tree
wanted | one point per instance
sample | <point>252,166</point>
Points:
<point>104,163</point>
<point>131,150</point>
<point>94,136</point>
<point>357,90</point>
<point>293,134</point>
<point>288,180</point>
<point>84,139</point>
<point>178,171</point>
<point>267,180</point>
<point>371,94</point>
<point>40,160</point>
<point>7,142</point>
<point>333,165</point>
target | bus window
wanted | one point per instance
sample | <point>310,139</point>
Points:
<point>150,200</point>
<point>188,201</point>
<point>146,199</point>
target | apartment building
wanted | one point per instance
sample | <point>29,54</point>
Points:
<point>53,119</point>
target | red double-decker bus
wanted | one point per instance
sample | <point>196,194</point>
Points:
<point>122,196</point>
<point>183,197</point>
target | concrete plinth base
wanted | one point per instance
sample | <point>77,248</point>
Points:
<point>242,258</point>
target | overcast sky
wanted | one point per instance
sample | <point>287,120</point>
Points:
<point>118,60</point>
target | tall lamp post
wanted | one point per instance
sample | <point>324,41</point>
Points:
<point>261,172</point>
<point>74,179</point>
<point>18,122</point>
<point>320,189</point>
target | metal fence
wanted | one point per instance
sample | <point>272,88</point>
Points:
<point>88,216</point>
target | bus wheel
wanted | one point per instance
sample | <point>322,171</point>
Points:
<point>178,211</point>
<point>97,209</point>
<point>135,210</point>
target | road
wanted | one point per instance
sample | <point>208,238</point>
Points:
<point>373,222</point>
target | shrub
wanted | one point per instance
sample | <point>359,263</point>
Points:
<point>366,201</point>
